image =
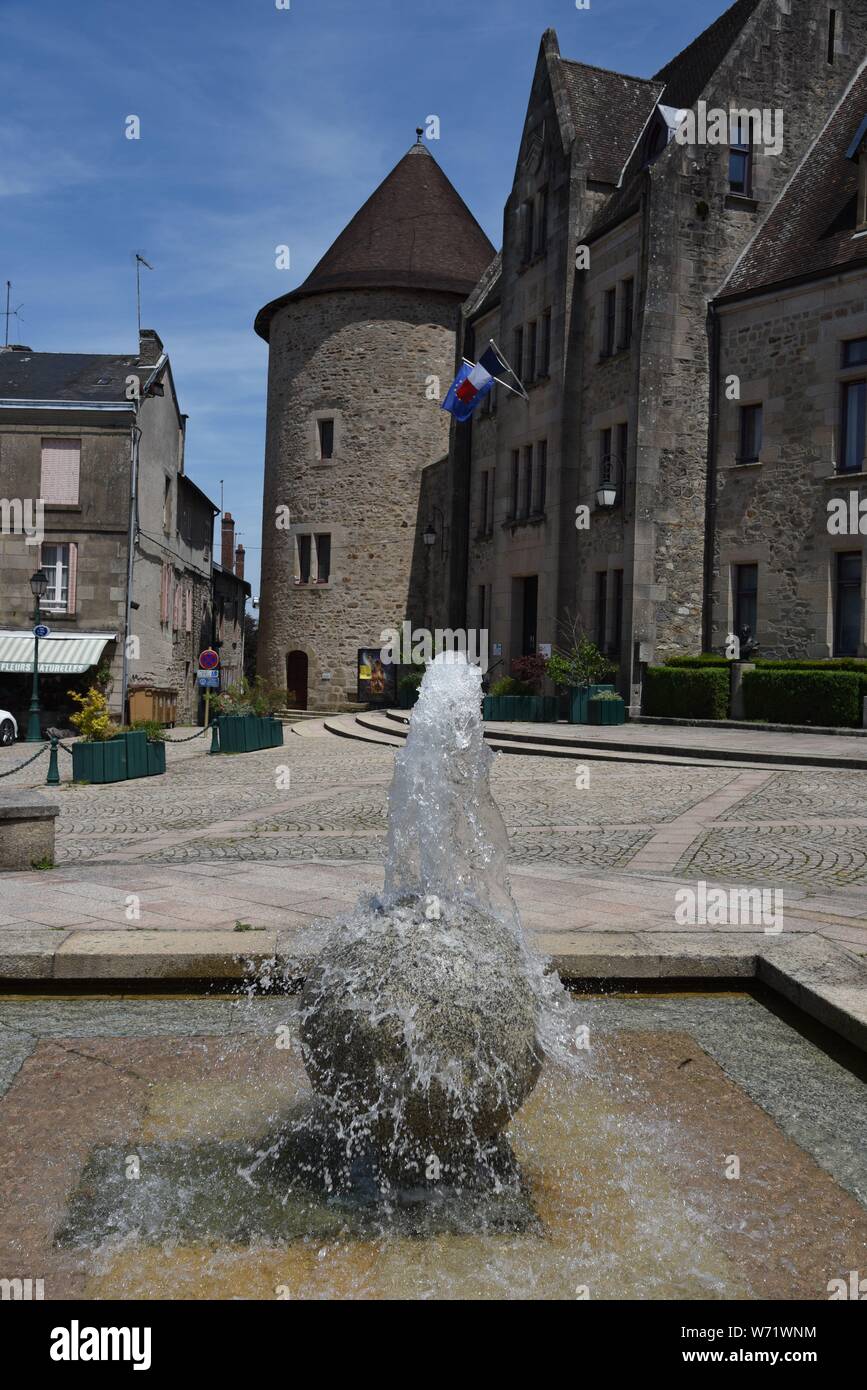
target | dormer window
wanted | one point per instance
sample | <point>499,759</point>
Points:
<point>740,156</point>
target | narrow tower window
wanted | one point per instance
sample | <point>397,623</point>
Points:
<point>326,439</point>
<point>832,32</point>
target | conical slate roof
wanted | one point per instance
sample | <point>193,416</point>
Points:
<point>414,232</point>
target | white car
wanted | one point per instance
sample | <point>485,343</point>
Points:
<point>8,728</point>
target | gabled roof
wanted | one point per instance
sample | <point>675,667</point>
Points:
<point>609,113</point>
<point>64,376</point>
<point>810,229</point>
<point>688,74</point>
<point>414,232</point>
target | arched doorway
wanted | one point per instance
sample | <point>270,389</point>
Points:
<point>296,679</point>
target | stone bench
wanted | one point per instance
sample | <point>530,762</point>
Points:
<point>26,829</point>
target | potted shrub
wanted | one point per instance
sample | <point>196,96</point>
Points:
<point>408,687</point>
<point>245,715</point>
<point>516,697</point>
<point>606,707</point>
<point>583,671</point>
<point>98,755</point>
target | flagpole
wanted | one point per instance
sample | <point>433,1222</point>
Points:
<point>513,374</point>
<point>467,363</point>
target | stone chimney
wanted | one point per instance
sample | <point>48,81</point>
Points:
<point>150,347</point>
<point>228,542</point>
<point>239,561</point>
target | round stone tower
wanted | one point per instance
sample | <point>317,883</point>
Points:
<point>353,419</point>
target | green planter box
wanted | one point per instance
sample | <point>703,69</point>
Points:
<point>525,709</point>
<point>136,753</point>
<point>156,758</point>
<point>579,698</point>
<point>99,762</point>
<point>248,733</point>
<point>606,711</point>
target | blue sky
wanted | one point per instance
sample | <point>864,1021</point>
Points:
<point>259,127</point>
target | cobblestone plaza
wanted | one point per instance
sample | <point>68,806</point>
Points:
<point>602,856</point>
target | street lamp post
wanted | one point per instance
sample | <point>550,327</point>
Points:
<point>38,585</point>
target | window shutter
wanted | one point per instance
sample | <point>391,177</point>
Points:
<point>73,577</point>
<point>164,594</point>
<point>61,460</point>
<point>176,607</point>
<point>189,608</point>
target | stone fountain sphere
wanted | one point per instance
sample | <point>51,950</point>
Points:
<point>426,1028</point>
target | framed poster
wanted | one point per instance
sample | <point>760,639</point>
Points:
<point>377,679</point>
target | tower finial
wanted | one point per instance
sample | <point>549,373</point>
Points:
<point>419,130</point>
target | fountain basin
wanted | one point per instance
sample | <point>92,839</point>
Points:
<point>622,1160</point>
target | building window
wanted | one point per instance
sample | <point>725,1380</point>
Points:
<point>746,598</point>
<point>601,614</point>
<point>483,506</point>
<point>847,604</point>
<point>518,351</point>
<point>622,448</point>
<point>541,476</point>
<point>618,611</point>
<point>326,438</point>
<point>302,570</point>
<point>852,427</point>
<point>490,519</point>
<point>605,455</point>
<point>545,360</point>
<point>529,229</point>
<point>751,434</point>
<point>855,352</point>
<point>542,224</point>
<point>609,322</point>
<point>832,34</point>
<point>741,156</point>
<point>484,606</point>
<point>627,305</point>
<point>527,490</point>
<point>55,563</point>
<point>516,470</point>
<point>323,558</point>
<point>61,463</point>
<point>532,351</point>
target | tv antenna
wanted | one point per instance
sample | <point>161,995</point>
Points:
<point>11,313</point>
<point>139,262</point>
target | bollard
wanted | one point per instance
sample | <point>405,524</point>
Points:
<point>215,737</point>
<point>53,778</point>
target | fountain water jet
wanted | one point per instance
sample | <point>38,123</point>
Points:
<point>420,1022</point>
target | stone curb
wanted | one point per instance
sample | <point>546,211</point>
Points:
<point>822,979</point>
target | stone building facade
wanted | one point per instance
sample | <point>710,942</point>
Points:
<point>80,435</point>
<point>788,478</point>
<point>612,341</point>
<point>359,359</point>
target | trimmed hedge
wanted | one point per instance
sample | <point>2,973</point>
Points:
<point>678,692</point>
<point>790,696</point>
<point>696,663</point>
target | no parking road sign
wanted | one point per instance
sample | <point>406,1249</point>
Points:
<point>209,660</point>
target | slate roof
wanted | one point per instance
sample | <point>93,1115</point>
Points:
<point>609,112</point>
<point>414,232</point>
<point>64,376</point>
<point>809,231</point>
<point>683,80</point>
<point>687,75</point>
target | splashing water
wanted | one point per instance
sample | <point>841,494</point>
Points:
<point>446,837</point>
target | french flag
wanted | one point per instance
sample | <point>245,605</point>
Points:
<point>472,384</point>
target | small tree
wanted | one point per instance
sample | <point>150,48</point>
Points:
<point>579,662</point>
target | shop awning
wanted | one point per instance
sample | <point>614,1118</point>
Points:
<point>61,654</point>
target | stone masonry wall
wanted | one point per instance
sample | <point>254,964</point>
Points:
<point>363,359</point>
